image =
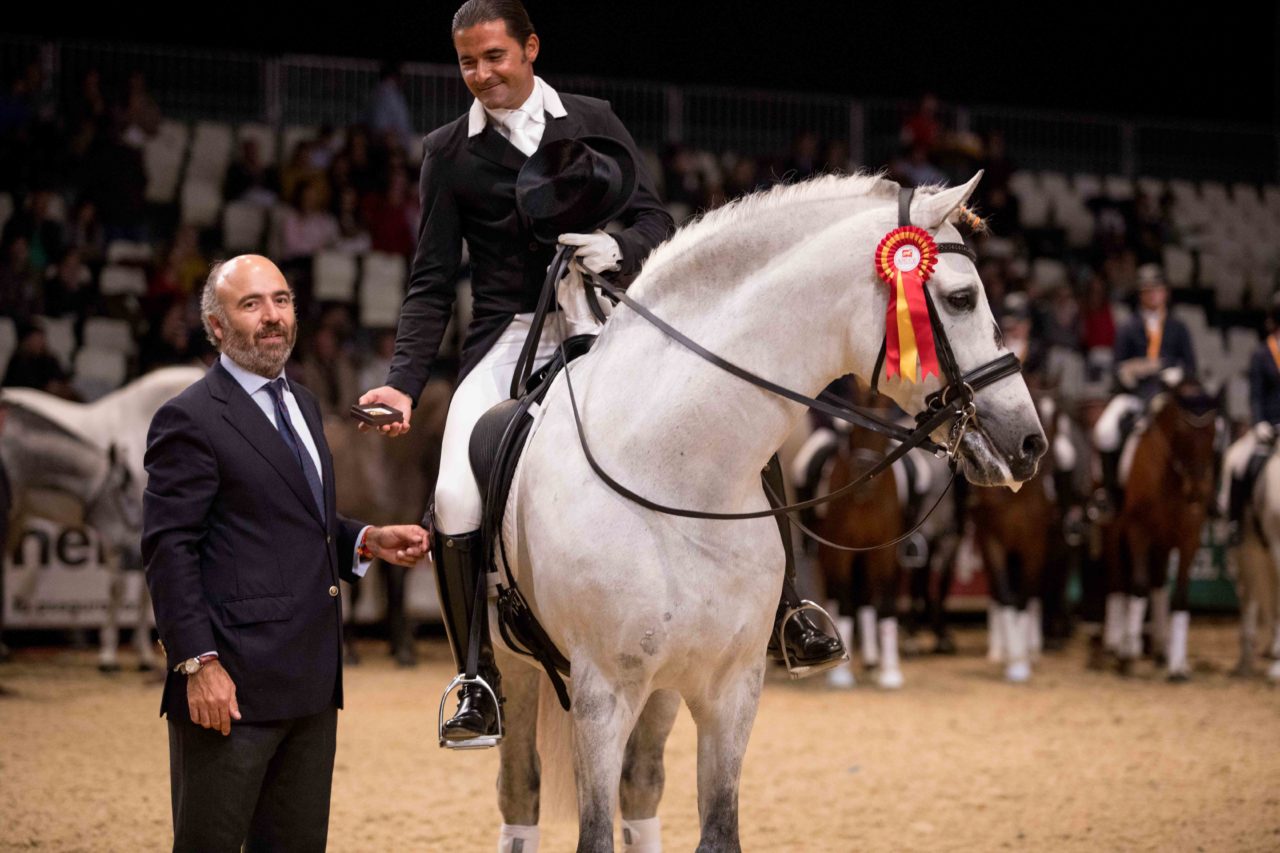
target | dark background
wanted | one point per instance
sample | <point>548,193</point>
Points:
<point>1204,62</point>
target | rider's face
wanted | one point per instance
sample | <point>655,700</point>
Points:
<point>496,68</point>
<point>1153,298</point>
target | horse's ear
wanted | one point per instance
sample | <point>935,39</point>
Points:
<point>930,211</point>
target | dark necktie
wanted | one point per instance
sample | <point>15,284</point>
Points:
<point>285,425</point>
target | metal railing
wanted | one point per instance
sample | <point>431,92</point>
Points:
<point>313,90</point>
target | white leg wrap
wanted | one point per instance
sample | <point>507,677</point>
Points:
<point>642,836</point>
<point>1178,625</point>
<point>867,636</point>
<point>890,671</point>
<point>842,676</point>
<point>1113,629</point>
<point>1018,664</point>
<point>1136,612</point>
<point>995,634</point>
<point>518,839</point>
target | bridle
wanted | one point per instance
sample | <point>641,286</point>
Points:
<point>953,402</point>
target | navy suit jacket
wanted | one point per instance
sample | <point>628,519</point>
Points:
<point>1175,349</point>
<point>1264,386</point>
<point>238,557</point>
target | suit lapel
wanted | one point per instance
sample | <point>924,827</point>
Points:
<point>495,148</point>
<point>244,415</point>
<point>565,127</point>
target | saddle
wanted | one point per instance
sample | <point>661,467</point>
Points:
<point>494,451</point>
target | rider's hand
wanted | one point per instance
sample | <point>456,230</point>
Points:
<point>394,398</point>
<point>1264,432</point>
<point>597,251</point>
<point>211,698</point>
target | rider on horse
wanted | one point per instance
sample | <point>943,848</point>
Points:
<point>1245,458</point>
<point>469,191</point>
<point>1152,352</point>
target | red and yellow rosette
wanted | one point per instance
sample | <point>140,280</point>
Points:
<point>905,259</point>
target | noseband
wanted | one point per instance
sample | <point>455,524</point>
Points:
<point>953,402</point>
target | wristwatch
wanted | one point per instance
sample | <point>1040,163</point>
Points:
<point>192,665</point>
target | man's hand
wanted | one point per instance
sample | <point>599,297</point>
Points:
<point>402,544</point>
<point>211,698</point>
<point>394,398</point>
<point>597,251</point>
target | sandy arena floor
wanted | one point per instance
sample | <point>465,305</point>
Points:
<point>957,760</point>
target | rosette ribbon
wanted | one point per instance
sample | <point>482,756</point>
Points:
<point>905,259</point>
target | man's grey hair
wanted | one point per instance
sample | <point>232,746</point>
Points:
<point>211,305</point>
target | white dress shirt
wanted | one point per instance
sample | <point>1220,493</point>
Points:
<point>524,130</point>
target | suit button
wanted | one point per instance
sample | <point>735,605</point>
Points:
<point>333,592</point>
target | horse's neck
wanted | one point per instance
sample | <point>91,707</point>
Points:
<point>688,428</point>
<point>42,459</point>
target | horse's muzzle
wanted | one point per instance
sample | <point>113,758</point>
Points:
<point>1022,464</point>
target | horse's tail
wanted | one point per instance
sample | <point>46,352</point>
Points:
<point>558,787</point>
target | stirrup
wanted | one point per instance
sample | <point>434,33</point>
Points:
<point>481,742</point>
<point>805,670</point>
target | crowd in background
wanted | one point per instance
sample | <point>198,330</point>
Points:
<point>75,172</point>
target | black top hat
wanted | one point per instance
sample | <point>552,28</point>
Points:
<point>575,185</point>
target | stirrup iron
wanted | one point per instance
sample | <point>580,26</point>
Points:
<point>805,670</point>
<point>481,742</point>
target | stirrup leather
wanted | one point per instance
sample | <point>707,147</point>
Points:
<point>481,742</point>
<point>805,670</point>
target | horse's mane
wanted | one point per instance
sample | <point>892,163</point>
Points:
<point>820,188</point>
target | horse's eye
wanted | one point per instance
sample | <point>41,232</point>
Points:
<point>961,301</point>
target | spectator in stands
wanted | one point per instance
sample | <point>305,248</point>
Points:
<point>802,163</point>
<point>328,144</point>
<point>1000,208</point>
<point>912,168</point>
<point>362,171</point>
<point>378,363</point>
<point>353,237</point>
<point>69,289</point>
<point>170,341</point>
<point>36,223</point>
<point>308,226</point>
<point>997,168</point>
<point>34,366</point>
<point>743,178</point>
<point>250,179</point>
<point>19,279</point>
<point>684,181</point>
<point>84,233</point>
<point>392,216</point>
<point>140,114</point>
<point>1057,318</point>
<point>389,117</point>
<point>921,129</point>
<point>182,268</point>
<point>116,181</point>
<point>835,158</point>
<point>329,372</point>
<point>88,105</point>
<point>301,170</point>
<point>1097,323</point>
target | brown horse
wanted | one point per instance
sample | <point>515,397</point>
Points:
<point>1014,531</point>
<point>868,516</point>
<point>1166,500</point>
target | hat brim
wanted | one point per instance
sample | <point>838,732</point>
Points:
<point>550,233</point>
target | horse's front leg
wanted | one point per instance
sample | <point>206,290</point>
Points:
<point>724,716</point>
<point>109,635</point>
<point>643,774</point>
<point>604,710</point>
<point>1136,605</point>
<point>519,772</point>
<point>1180,606</point>
<point>142,631</point>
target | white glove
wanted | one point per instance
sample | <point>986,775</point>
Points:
<point>1264,432</point>
<point>597,251</point>
<point>1171,376</point>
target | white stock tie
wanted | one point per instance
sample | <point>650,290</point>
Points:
<point>521,133</point>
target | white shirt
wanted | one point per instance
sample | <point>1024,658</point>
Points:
<point>542,100</point>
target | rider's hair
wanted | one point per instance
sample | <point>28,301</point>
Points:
<point>211,305</point>
<point>510,12</point>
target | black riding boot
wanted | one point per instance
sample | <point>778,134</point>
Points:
<point>807,645</point>
<point>1111,479</point>
<point>458,570</point>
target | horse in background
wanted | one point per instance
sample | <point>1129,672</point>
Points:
<point>1170,476</point>
<point>1258,577</point>
<point>116,425</point>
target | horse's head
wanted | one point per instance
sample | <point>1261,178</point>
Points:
<point>115,509</point>
<point>1188,417</point>
<point>1005,440</point>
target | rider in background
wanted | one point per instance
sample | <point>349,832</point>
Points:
<point>1152,352</point>
<point>1245,458</point>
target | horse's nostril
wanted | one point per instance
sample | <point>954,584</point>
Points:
<point>1034,446</point>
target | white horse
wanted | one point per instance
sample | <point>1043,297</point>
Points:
<point>647,607</point>
<point>1258,582</point>
<point>116,424</point>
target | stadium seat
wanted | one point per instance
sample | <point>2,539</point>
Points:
<point>1179,267</point>
<point>1271,198</point>
<point>1214,195</point>
<point>264,135</point>
<point>98,372</point>
<point>210,153</point>
<point>8,339</point>
<point>1023,182</point>
<point>1192,316</point>
<point>1118,188</point>
<point>1120,313</point>
<point>120,280</point>
<point>1153,187</point>
<point>1034,206</point>
<point>201,201</point>
<point>61,335</point>
<point>129,252</point>
<point>163,166</point>
<point>104,333</point>
<point>334,277</point>
<point>292,136</point>
<point>1047,273</point>
<point>1087,186</point>
<point>381,289</point>
<point>243,225</point>
<point>1054,184</point>
<point>1238,399</point>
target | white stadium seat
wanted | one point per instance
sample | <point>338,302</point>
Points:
<point>1087,186</point>
<point>1034,205</point>
<point>1047,273</point>
<point>1179,266</point>
<point>1238,399</point>
<point>61,336</point>
<point>1153,187</point>
<point>129,252</point>
<point>8,339</point>
<point>333,277</point>
<point>1214,195</point>
<point>243,225</point>
<point>381,289</point>
<point>1118,188</point>
<point>98,372</point>
<point>104,333</point>
<point>210,152</point>
<point>264,135</point>
<point>1054,184</point>
<point>201,201</point>
<point>1023,181</point>
<point>120,280</point>
<point>292,136</point>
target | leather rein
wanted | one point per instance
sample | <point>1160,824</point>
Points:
<point>953,402</point>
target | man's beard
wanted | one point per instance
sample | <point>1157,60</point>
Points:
<point>251,354</point>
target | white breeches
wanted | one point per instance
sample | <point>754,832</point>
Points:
<point>1106,432</point>
<point>458,507</point>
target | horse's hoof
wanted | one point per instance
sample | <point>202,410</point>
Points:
<point>5,654</point>
<point>147,666</point>
<point>108,668</point>
<point>406,657</point>
<point>1242,670</point>
<point>1178,677</point>
<point>1273,673</point>
<point>1124,666</point>
<point>945,646</point>
<point>890,679</point>
<point>1018,673</point>
<point>841,678</point>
